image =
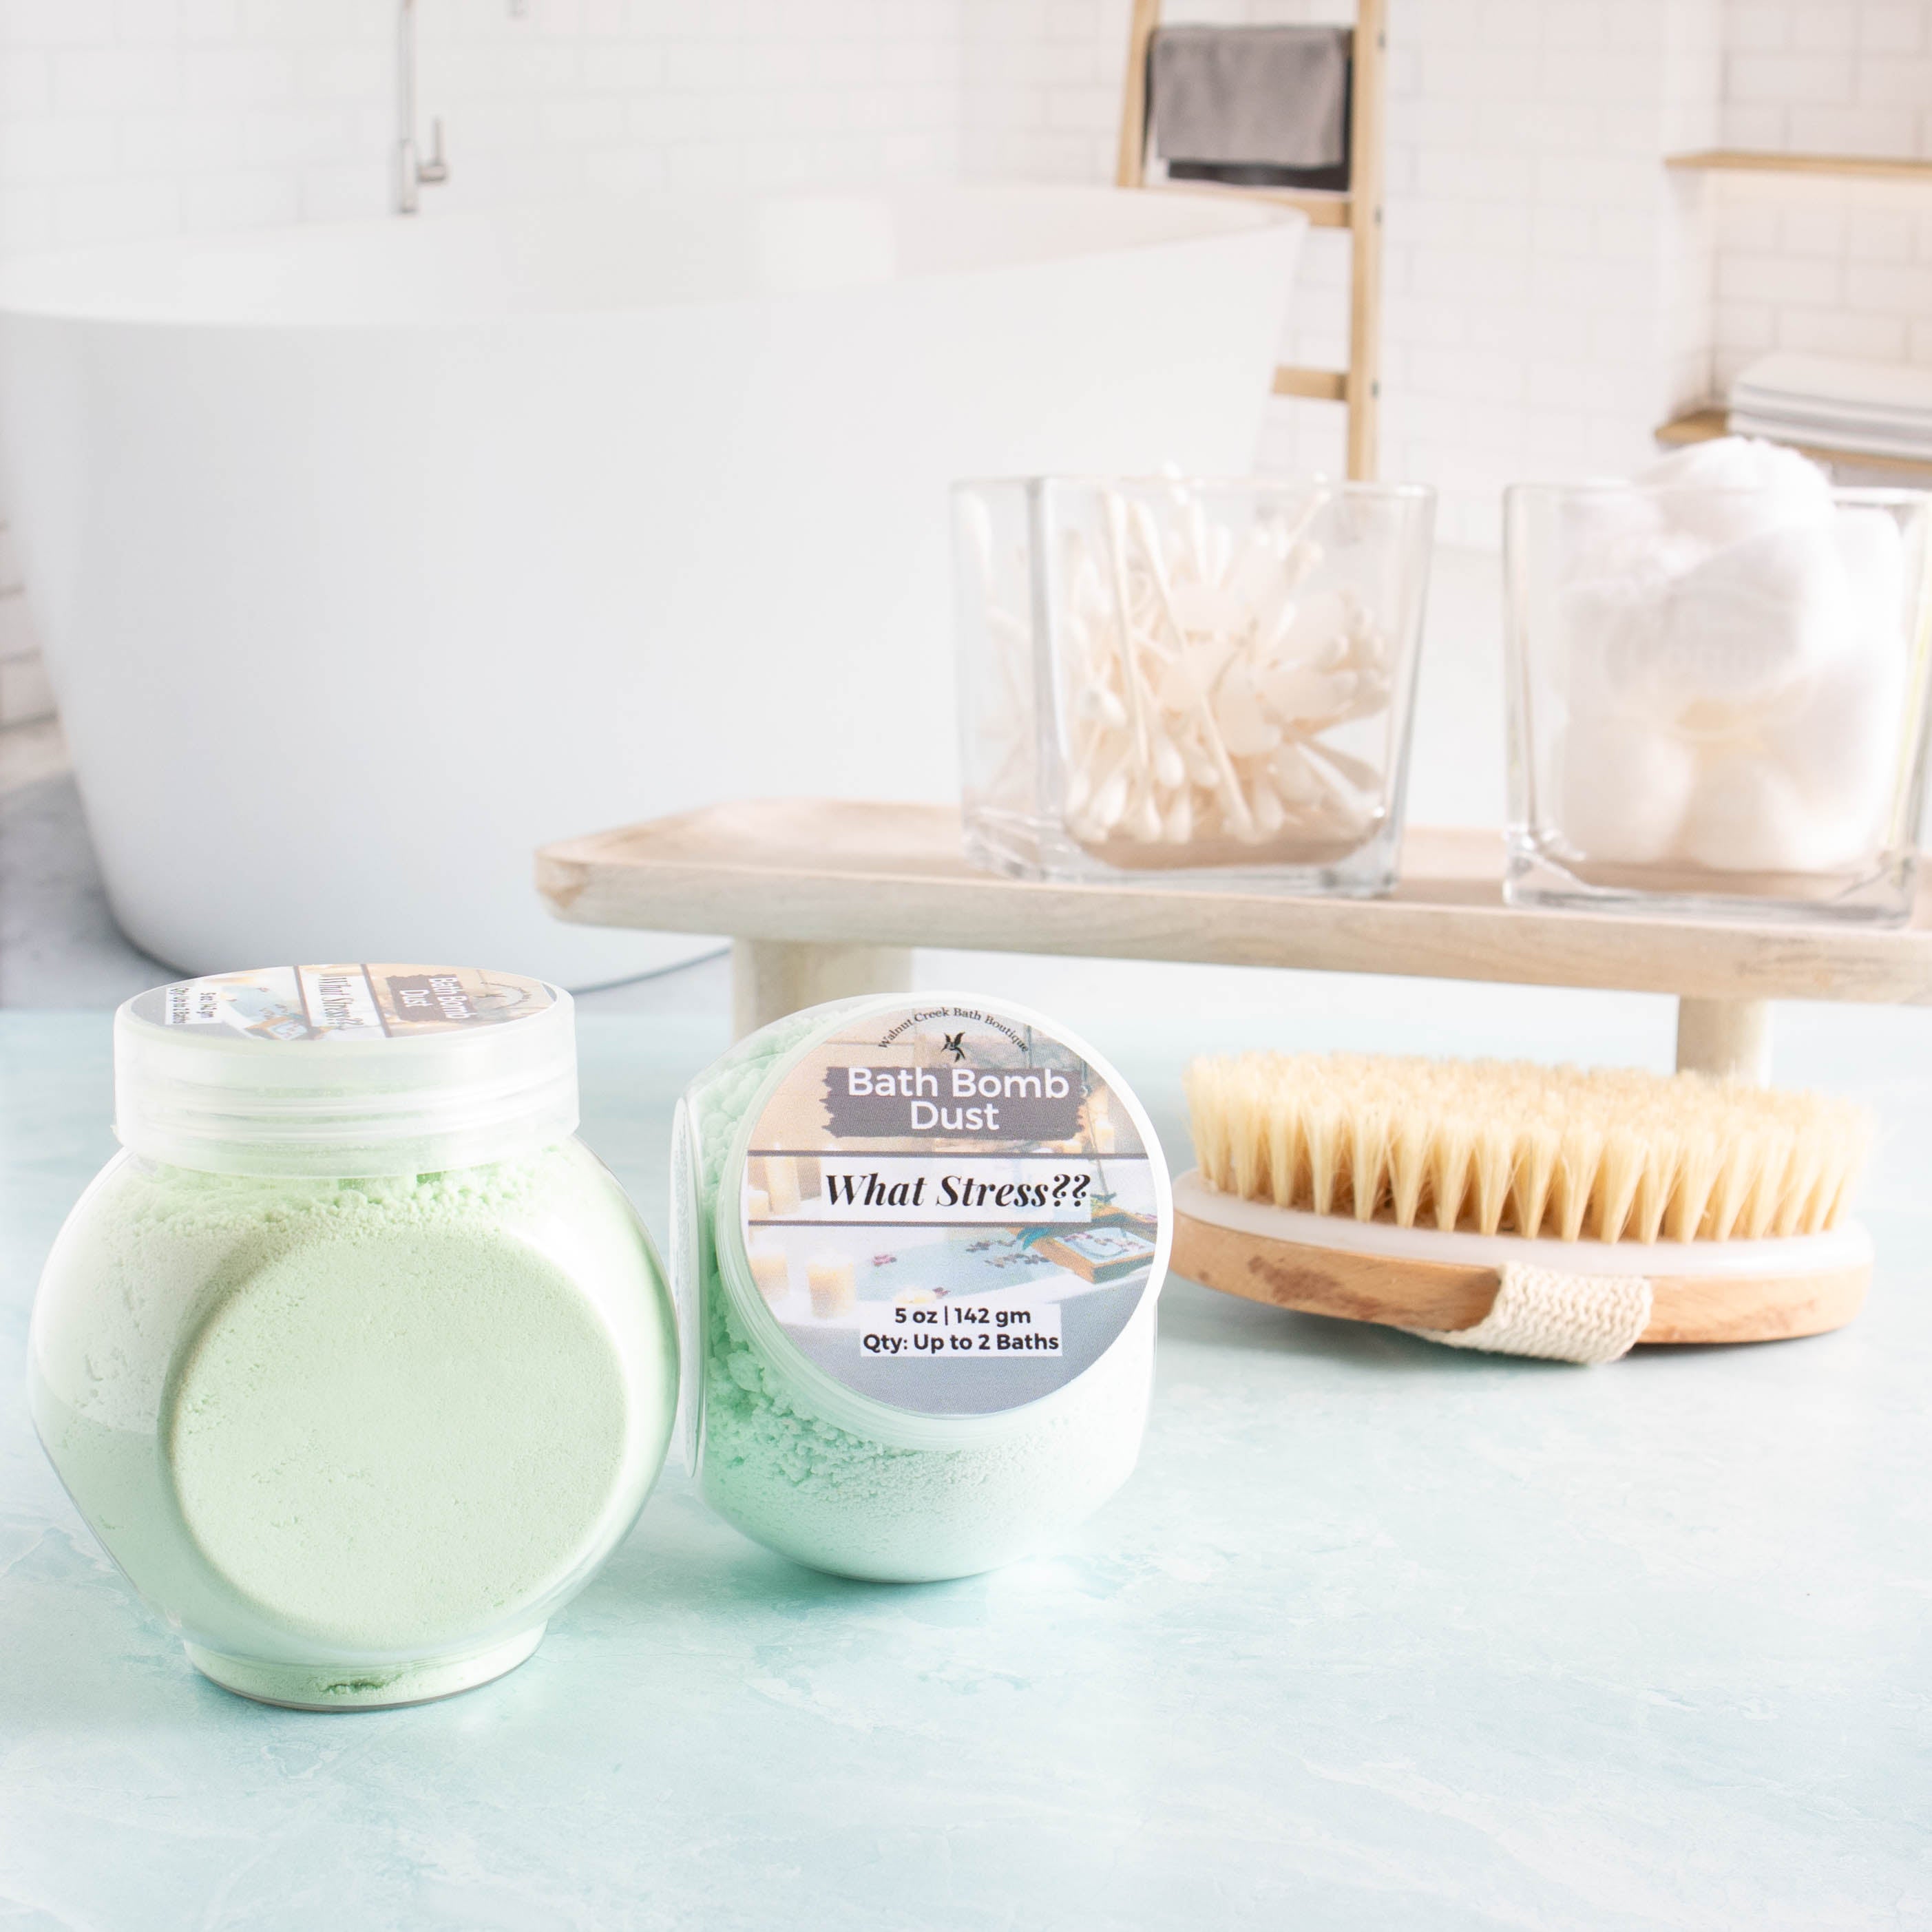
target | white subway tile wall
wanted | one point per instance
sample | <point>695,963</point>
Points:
<point>1836,266</point>
<point>1551,292</point>
<point>1828,76</point>
<point>129,118</point>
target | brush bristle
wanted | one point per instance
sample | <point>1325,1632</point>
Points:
<point>1613,1155</point>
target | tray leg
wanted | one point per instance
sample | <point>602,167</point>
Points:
<point>1729,1037</point>
<point>772,977</point>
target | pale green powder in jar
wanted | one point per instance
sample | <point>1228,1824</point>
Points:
<point>357,1362</point>
<point>836,1500</point>
<point>375,1417</point>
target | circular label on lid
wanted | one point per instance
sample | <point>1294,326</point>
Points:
<point>951,1210</point>
<point>345,1003</point>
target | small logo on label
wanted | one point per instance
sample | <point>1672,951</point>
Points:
<point>956,1044</point>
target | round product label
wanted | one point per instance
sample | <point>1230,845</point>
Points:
<point>343,1003</point>
<point>949,1210</point>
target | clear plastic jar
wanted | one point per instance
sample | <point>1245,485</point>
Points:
<point>356,1362</point>
<point>918,1344</point>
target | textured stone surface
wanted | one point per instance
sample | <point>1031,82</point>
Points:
<point>1380,1636</point>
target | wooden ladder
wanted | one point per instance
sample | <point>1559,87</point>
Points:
<point>1359,210</point>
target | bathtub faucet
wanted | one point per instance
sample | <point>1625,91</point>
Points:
<point>412,171</point>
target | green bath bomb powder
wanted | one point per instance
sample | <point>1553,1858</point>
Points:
<point>381,1441</point>
<point>386,1414</point>
<point>837,1500</point>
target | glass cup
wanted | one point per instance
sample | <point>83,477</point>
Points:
<point>1208,683</point>
<point>1716,699</point>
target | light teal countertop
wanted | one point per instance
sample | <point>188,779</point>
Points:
<point>1380,1636</point>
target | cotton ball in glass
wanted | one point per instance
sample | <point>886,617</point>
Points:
<point>1622,789</point>
<point>1746,814</point>
<point>1744,625</point>
<point>1610,618</point>
<point>1735,487</point>
<point>1841,740</point>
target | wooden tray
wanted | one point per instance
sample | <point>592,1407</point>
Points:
<point>825,897</point>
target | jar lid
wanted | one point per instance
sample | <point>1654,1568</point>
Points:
<point>345,1071</point>
<point>937,1213</point>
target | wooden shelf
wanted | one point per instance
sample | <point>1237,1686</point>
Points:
<point>1698,426</point>
<point>1702,425</point>
<point>1742,161</point>
<point>827,873</point>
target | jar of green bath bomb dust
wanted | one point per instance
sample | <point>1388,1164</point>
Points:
<point>918,1242</point>
<point>356,1360</point>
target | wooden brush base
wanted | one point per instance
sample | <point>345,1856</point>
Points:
<point>1408,1293</point>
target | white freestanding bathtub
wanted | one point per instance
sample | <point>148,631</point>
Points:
<point>367,557</point>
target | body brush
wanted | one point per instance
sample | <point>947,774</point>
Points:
<point>1525,1209</point>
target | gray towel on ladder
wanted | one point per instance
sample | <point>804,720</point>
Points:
<point>1261,105</point>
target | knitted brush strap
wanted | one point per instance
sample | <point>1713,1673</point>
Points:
<point>1561,1317</point>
